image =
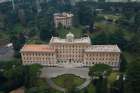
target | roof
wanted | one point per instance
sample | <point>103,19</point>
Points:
<point>62,15</point>
<point>70,35</point>
<point>103,48</point>
<point>75,41</point>
<point>36,48</point>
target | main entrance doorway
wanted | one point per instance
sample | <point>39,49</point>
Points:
<point>70,64</point>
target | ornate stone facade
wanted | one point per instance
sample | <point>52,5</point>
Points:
<point>64,19</point>
<point>71,52</point>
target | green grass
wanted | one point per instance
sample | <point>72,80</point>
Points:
<point>112,77</point>
<point>55,91</point>
<point>91,88</point>
<point>110,16</point>
<point>108,28</point>
<point>77,80</point>
<point>62,79</point>
<point>76,31</point>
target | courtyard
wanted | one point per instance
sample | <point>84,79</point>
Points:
<point>51,72</point>
<point>56,77</point>
<point>78,77</point>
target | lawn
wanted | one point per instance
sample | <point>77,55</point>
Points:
<point>108,28</point>
<point>110,16</point>
<point>77,81</point>
<point>76,31</point>
<point>91,88</point>
<point>68,78</point>
<point>112,77</point>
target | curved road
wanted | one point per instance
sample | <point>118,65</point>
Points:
<point>51,72</point>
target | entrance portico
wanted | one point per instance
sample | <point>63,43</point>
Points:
<point>70,64</point>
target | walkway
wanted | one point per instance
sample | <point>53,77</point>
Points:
<point>51,72</point>
<point>85,84</point>
<point>53,85</point>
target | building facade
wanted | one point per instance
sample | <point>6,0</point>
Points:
<point>71,52</point>
<point>64,19</point>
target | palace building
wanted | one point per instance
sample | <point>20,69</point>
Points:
<point>71,52</point>
<point>65,19</point>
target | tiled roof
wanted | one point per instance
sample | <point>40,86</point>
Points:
<point>103,48</point>
<point>36,48</point>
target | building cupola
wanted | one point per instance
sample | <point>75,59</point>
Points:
<point>70,37</point>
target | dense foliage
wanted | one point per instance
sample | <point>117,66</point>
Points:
<point>133,77</point>
<point>13,75</point>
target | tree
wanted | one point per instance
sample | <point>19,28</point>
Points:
<point>32,74</point>
<point>133,77</point>
<point>12,75</point>
<point>45,35</point>
<point>134,44</point>
<point>18,42</point>
<point>101,86</point>
<point>137,22</point>
<point>93,17</point>
<point>85,13</point>
<point>110,38</point>
<point>101,38</point>
<point>99,70</point>
<point>85,90</point>
<point>123,63</point>
<point>21,16</point>
<point>46,27</point>
<point>118,85</point>
<point>41,89</point>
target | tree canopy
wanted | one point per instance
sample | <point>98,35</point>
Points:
<point>133,77</point>
<point>99,70</point>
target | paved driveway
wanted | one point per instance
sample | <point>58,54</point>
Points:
<point>50,72</point>
<point>6,53</point>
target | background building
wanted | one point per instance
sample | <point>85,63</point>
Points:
<point>65,19</point>
<point>2,1</point>
<point>109,0</point>
<point>71,52</point>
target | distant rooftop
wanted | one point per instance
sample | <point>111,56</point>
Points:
<point>103,48</point>
<point>63,15</point>
<point>72,39</point>
<point>36,48</point>
<point>2,1</point>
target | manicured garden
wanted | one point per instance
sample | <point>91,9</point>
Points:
<point>67,80</point>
